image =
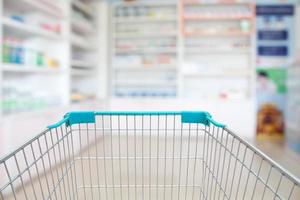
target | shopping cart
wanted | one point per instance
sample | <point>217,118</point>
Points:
<point>142,155</point>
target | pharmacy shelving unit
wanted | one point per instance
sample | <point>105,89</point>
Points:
<point>293,105</point>
<point>218,49</point>
<point>83,48</point>
<point>292,118</point>
<point>144,45</point>
<point>50,53</point>
<point>33,78</point>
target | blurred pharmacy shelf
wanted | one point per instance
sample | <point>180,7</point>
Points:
<point>47,46</point>
<point>218,46</point>
<point>33,78</point>
<point>85,8</point>
<point>145,41</point>
<point>50,8</point>
<point>207,42</point>
<point>201,55</point>
<point>84,55</point>
<point>292,119</point>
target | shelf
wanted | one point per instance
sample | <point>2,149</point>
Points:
<point>81,26</point>
<point>15,68</point>
<point>234,40</point>
<point>224,74</point>
<point>84,8</point>
<point>81,45</point>
<point>145,83</point>
<point>80,42</point>
<point>207,18</point>
<point>147,50</point>
<point>25,30</point>
<point>82,72</point>
<point>146,35</point>
<point>145,3</point>
<point>144,19</point>
<point>220,2</point>
<point>218,34</point>
<point>146,68</point>
<point>83,64</point>
<point>44,6</point>
<point>197,50</point>
<point>37,28</point>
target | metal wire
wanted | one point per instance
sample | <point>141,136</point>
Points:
<point>142,157</point>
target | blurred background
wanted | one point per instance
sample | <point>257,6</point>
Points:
<point>237,59</point>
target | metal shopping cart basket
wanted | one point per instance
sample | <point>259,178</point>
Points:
<point>142,155</point>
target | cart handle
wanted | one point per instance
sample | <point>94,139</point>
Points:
<point>90,117</point>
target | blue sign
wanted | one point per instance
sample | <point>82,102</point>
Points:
<point>280,10</point>
<point>272,35</point>
<point>273,50</point>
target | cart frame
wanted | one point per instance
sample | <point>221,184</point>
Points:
<point>53,152</point>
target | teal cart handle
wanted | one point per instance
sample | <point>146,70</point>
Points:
<point>90,117</point>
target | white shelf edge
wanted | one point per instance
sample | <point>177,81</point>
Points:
<point>81,72</point>
<point>6,67</point>
<point>196,50</point>
<point>145,3</point>
<point>80,42</point>
<point>28,29</point>
<point>84,8</point>
<point>81,26</point>
<point>145,83</point>
<point>38,5</point>
<point>144,19</point>
<point>212,3</point>
<point>246,73</point>
<point>191,17</point>
<point>81,63</point>
<point>143,35</point>
<point>147,50</point>
<point>147,68</point>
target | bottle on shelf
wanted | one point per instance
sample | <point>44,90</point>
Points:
<point>39,59</point>
<point>12,52</point>
<point>6,50</point>
<point>19,51</point>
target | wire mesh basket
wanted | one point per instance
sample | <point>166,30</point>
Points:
<point>142,155</point>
